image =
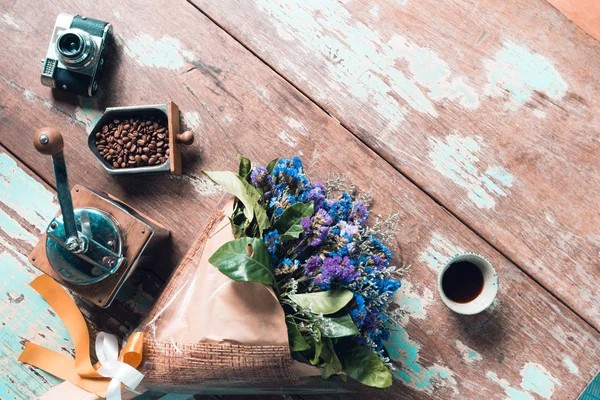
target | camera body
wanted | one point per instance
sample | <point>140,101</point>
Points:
<point>76,54</point>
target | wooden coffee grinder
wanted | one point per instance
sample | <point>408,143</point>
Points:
<point>93,245</point>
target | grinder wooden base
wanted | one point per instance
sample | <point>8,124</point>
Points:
<point>138,232</point>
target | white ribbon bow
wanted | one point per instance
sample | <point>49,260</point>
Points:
<point>107,351</point>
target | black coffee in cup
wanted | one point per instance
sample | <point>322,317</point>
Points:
<point>462,281</point>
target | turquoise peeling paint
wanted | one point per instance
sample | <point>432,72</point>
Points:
<point>471,355</point>
<point>520,71</point>
<point>511,393</point>
<point>27,319</point>
<point>405,351</point>
<point>537,380</point>
<point>411,305</point>
<point>88,112</point>
<point>28,198</point>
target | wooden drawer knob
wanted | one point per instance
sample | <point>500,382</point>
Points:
<point>186,137</point>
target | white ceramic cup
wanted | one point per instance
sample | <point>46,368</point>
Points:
<point>490,285</point>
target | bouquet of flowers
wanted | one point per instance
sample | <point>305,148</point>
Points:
<point>329,270</point>
<point>285,283</point>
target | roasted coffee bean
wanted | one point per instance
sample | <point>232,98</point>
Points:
<point>133,142</point>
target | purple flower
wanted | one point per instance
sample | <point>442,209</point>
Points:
<point>313,265</point>
<point>336,270</point>
<point>348,229</point>
<point>317,195</point>
<point>317,227</point>
<point>261,178</point>
<point>359,213</point>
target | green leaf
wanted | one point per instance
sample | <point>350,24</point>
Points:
<point>245,167</point>
<point>288,224</point>
<point>366,367</point>
<point>237,186</point>
<point>332,364</point>
<point>271,165</point>
<point>232,260</point>
<point>297,341</point>
<point>262,219</point>
<point>318,346</point>
<point>328,302</point>
<point>339,327</point>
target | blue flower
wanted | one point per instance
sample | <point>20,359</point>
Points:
<point>272,240</point>
<point>339,209</point>
<point>289,174</point>
<point>380,248</point>
<point>287,266</point>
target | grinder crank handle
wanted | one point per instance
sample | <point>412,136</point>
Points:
<point>50,142</point>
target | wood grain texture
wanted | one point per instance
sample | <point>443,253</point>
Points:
<point>490,107</point>
<point>585,13</point>
<point>27,205</point>
<point>521,346</point>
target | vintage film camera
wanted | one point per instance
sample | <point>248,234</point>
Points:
<point>76,54</point>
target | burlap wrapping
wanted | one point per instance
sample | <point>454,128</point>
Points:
<point>237,335</point>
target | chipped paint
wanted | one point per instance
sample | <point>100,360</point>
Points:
<point>458,158</point>
<point>201,184</point>
<point>372,69</point>
<point>539,113</point>
<point>9,21</point>
<point>288,138</point>
<point>439,251</point>
<point>88,112</point>
<point>521,72</point>
<point>296,125</point>
<point>165,52</point>
<point>571,366</point>
<point>374,11</point>
<point>468,355</point>
<point>25,205</point>
<point>414,302</point>
<point>19,326</point>
<point>30,200</point>
<point>511,392</point>
<point>29,95</point>
<point>191,120</point>
<point>538,380</point>
<point>593,301</point>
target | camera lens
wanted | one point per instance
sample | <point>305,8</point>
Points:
<point>76,49</point>
<point>70,45</point>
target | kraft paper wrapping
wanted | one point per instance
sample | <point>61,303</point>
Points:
<point>207,330</point>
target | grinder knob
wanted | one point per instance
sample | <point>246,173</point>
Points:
<point>48,141</point>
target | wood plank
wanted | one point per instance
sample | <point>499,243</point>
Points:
<point>491,107</point>
<point>27,205</point>
<point>525,344</point>
<point>585,13</point>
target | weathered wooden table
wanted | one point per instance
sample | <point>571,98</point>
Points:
<point>476,121</point>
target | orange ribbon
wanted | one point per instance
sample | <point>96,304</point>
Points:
<point>79,370</point>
